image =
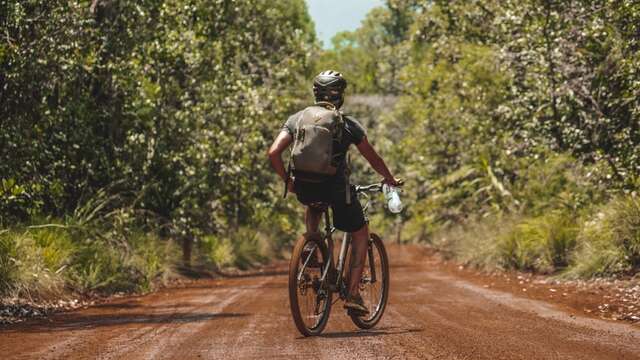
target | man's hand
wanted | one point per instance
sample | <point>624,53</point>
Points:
<point>392,181</point>
<point>290,187</point>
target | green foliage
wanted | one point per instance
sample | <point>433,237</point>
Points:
<point>135,123</point>
<point>505,110</point>
<point>139,122</point>
<point>31,264</point>
<point>541,244</point>
<point>171,101</point>
<point>219,250</point>
<point>474,243</point>
<point>609,240</point>
<point>8,266</point>
<point>56,247</point>
<point>242,248</point>
<point>43,261</point>
<point>373,55</point>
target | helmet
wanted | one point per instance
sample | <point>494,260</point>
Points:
<point>329,86</point>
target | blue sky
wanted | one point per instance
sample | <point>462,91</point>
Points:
<point>333,16</point>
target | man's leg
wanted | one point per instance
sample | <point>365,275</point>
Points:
<point>312,219</point>
<point>359,244</point>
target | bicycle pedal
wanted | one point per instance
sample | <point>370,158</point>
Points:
<point>353,312</point>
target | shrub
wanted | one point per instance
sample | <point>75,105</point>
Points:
<point>8,268</point>
<point>241,248</point>
<point>473,243</point>
<point>541,244</point>
<point>30,262</point>
<point>609,241</point>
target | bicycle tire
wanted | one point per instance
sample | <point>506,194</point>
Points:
<point>372,319</point>
<point>294,267</point>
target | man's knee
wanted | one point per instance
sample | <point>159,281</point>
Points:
<point>362,233</point>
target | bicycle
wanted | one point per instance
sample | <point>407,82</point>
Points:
<point>313,282</point>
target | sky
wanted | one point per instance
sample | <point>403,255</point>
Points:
<point>333,16</point>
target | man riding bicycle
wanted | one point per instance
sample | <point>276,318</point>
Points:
<point>334,190</point>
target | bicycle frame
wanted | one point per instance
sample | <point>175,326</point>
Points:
<point>339,285</point>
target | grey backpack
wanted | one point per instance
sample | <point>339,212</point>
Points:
<point>312,154</point>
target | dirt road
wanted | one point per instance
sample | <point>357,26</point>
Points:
<point>432,314</point>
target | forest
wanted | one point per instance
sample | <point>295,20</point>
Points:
<point>133,135</point>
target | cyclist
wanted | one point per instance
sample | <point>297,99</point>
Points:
<point>329,87</point>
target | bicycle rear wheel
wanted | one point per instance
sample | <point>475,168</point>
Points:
<point>310,302</point>
<point>374,285</point>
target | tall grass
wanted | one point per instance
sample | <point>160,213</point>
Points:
<point>473,243</point>
<point>97,249</point>
<point>609,240</point>
<point>8,266</point>
<point>101,248</point>
<point>540,244</point>
<point>242,248</point>
<point>32,262</point>
<point>604,242</point>
<point>45,262</point>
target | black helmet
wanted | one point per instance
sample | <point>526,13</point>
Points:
<point>329,86</point>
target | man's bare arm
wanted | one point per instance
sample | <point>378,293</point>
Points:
<point>376,162</point>
<point>282,141</point>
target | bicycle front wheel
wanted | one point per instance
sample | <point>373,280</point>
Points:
<point>374,285</point>
<point>309,300</point>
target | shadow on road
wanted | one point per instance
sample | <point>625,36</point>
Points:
<point>253,274</point>
<point>85,322</point>
<point>368,333</point>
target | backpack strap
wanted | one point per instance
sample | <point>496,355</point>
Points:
<point>347,174</point>
<point>289,168</point>
<point>326,104</point>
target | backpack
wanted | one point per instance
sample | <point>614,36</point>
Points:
<point>312,154</point>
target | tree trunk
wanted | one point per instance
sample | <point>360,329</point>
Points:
<point>399,225</point>
<point>187,244</point>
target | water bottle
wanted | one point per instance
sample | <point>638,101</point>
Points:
<point>393,199</point>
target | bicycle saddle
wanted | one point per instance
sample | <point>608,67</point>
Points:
<point>321,206</point>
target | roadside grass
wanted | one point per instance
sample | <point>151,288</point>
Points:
<point>540,244</point>
<point>102,249</point>
<point>45,262</point>
<point>603,242</point>
<point>559,220</point>
<point>609,240</point>
<point>243,248</point>
<point>33,263</point>
<point>8,266</point>
<point>48,261</point>
<point>473,243</point>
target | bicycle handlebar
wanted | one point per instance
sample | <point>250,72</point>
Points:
<point>377,187</point>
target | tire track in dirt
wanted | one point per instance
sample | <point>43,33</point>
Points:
<point>152,344</point>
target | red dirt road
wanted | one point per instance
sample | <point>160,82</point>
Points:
<point>432,314</point>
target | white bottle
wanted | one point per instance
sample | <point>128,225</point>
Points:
<point>393,199</point>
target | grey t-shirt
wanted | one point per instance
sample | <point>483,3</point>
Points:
<point>353,133</point>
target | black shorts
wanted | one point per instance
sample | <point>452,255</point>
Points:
<point>347,218</point>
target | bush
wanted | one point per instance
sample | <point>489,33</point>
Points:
<point>31,263</point>
<point>40,262</point>
<point>8,268</point>
<point>473,243</point>
<point>541,244</point>
<point>609,241</point>
<point>242,248</point>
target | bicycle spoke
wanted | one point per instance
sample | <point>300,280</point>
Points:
<point>371,285</point>
<point>312,300</point>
